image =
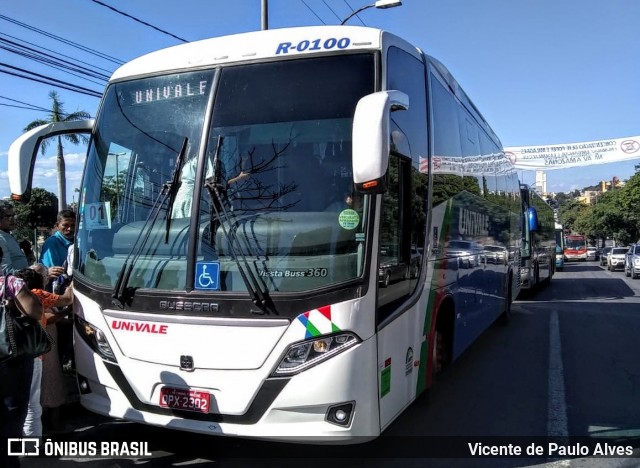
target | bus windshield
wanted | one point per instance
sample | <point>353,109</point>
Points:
<point>576,243</point>
<point>215,171</point>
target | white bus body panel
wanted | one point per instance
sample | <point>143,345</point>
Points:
<point>402,361</point>
<point>213,343</point>
<point>347,377</point>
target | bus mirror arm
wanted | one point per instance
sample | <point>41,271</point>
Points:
<point>23,151</point>
<point>371,138</point>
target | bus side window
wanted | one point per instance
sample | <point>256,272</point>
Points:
<point>395,235</point>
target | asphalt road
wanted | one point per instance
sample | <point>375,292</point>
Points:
<point>567,365</point>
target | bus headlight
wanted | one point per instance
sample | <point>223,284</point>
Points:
<point>95,338</point>
<point>306,354</point>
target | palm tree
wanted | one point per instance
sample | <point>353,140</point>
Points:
<point>57,114</point>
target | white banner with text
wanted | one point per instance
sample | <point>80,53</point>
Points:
<point>561,156</point>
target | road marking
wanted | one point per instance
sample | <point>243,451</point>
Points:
<point>557,409</point>
<point>631,299</point>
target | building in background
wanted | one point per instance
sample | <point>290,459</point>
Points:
<point>541,183</point>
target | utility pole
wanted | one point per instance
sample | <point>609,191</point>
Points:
<point>265,15</point>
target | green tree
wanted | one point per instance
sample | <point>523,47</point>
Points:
<point>570,212</point>
<point>57,114</point>
<point>39,213</point>
<point>629,198</point>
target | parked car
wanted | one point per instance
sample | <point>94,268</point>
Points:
<point>391,269</point>
<point>616,257</point>
<point>603,255</point>
<point>469,253</point>
<point>632,261</point>
<point>592,254</point>
<point>496,254</point>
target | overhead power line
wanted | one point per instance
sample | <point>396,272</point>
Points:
<point>22,73</point>
<point>63,40</point>
<point>139,20</point>
<point>334,13</point>
<point>52,61</point>
<point>353,9</point>
<point>28,106</point>
<point>31,106</point>
<point>312,11</point>
<point>39,47</point>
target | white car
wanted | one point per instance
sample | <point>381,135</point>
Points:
<point>592,254</point>
<point>616,258</point>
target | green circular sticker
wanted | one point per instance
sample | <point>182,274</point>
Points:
<point>349,219</point>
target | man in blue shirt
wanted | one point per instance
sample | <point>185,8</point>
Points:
<point>56,247</point>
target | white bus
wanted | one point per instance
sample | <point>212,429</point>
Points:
<point>283,234</point>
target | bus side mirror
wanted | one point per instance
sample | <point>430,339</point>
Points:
<point>371,141</point>
<point>532,219</point>
<point>23,152</point>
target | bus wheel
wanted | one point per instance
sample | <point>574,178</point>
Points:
<point>440,352</point>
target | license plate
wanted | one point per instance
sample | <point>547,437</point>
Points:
<point>184,399</point>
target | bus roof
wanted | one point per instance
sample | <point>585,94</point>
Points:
<point>260,45</point>
<point>284,43</point>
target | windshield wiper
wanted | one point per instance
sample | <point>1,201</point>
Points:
<point>121,292</point>
<point>174,185</point>
<point>218,192</point>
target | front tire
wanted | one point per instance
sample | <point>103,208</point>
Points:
<point>439,352</point>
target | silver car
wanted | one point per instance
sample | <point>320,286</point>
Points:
<point>632,261</point>
<point>616,257</point>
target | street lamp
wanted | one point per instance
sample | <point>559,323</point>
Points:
<point>264,17</point>
<point>378,4</point>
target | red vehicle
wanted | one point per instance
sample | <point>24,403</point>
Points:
<point>575,247</point>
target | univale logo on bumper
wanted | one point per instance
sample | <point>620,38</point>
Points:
<point>140,327</point>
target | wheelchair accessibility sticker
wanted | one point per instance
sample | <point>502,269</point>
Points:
<point>207,275</point>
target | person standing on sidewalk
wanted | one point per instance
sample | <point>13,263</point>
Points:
<point>13,258</point>
<point>56,247</point>
<point>54,255</point>
<point>15,374</point>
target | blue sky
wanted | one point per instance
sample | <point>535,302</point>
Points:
<point>541,71</point>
